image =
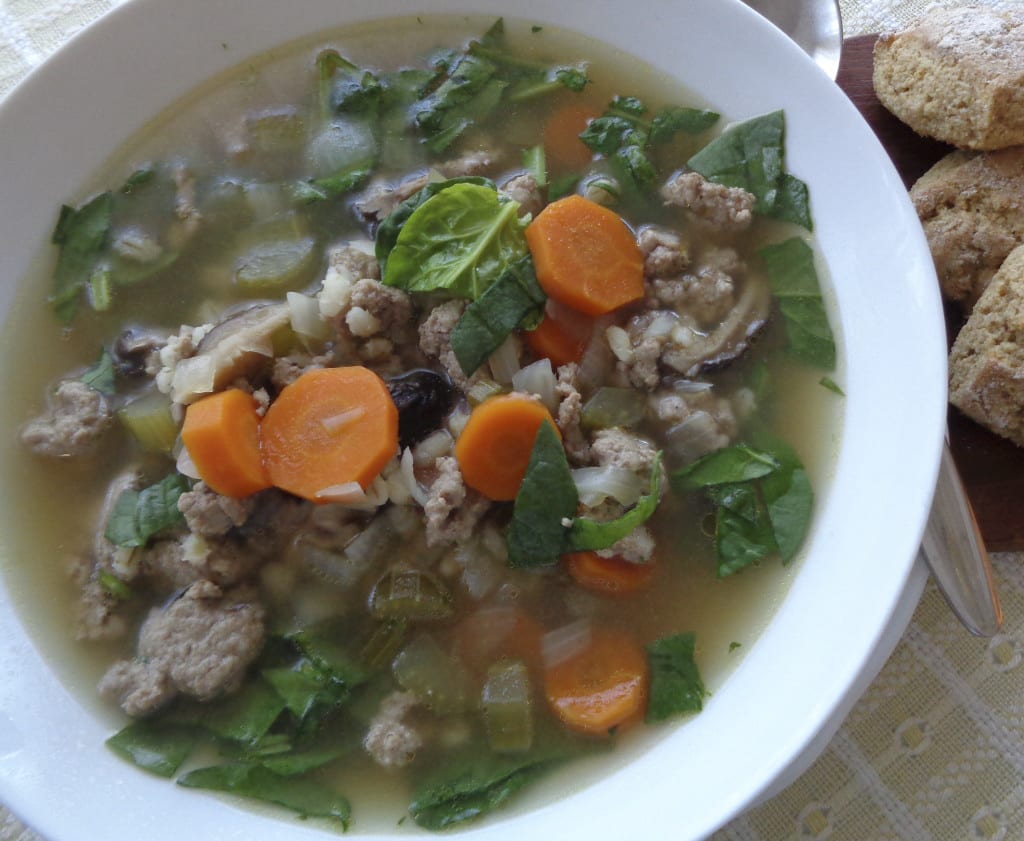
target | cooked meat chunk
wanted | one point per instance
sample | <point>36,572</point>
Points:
<point>391,741</point>
<point>376,309</point>
<point>664,253</point>
<point>73,423</point>
<point>210,514</point>
<point>176,562</point>
<point>523,189</point>
<point>200,646</point>
<point>287,369</point>
<point>97,615</point>
<point>641,344</point>
<point>570,410</point>
<point>470,163</point>
<point>698,421</point>
<point>616,447</point>
<point>357,258</point>
<point>436,340</point>
<point>637,547</point>
<point>452,510</point>
<point>716,205</point>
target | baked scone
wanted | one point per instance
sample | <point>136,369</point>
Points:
<point>957,75</point>
<point>986,365</point>
<point>971,205</point>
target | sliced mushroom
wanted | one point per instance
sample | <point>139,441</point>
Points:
<point>236,347</point>
<point>729,340</point>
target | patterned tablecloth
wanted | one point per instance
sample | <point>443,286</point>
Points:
<point>934,750</point>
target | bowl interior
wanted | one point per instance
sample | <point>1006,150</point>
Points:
<point>827,633</point>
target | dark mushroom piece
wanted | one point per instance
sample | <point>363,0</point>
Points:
<point>423,398</point>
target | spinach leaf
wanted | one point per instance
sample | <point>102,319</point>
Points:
<point>459,240</point>
<point>513,299</point>
<point>762,501</point>
<point>81,233</point>
<point>158,748</point>
<point>586,534</point>
<point>138,515</point>
<point>466,97</point>
<point>546,497</point>
<point>100,375</point>
<point>751,155</point>
<point>676,685</point>
<point>794,282</point>
<point>346,88</point>
<point>391,227</point>
<point>667,122</point>
<point>304,688</point>
<point>308,798</point>
<point>297,762</point>
<point>245,717</point>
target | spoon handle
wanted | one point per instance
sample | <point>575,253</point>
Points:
<point>956,555</point>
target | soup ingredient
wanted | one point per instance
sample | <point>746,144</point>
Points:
<point>494,448</point>
<point>562,335</point>
<point>601,686</point>
<point>459,240</point>
<point>609,576</point>
<point>762,501</point>
<point>150,421</point>
<point>794,283</point>
<point>585,256</point>
<point>507,708</point>
<point>676,684</point>
<point>222,435</point>
<point>562,132</point>
<point>81,234</point>
<point>159,748</point>
<point>750,155</point>
<point>137,515</point>
<point>328,429</point>
<point>423,399</point>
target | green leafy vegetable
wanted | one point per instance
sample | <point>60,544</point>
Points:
<point>586,534</point>
<point>100,375</point>
<point>676,685</point>
<point>82,235</point>
<point>306,797</point>
<point>794,282</point>
<point>459,240</point>
<point>751,155</point>
<point>245,717</point>
<point>831,385</point>
<point>391,227</point>
<point>762,501</point>
<point>156,747</point>
<point>546,497</point>
<point>512,301</point>
<point>113,585</point>
<point>138,515</point>
<point>535,162</point>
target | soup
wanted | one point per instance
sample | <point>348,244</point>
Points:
<point>489,436</point>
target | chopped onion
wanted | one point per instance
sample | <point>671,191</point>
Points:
<point>661,325</point>
<point>336,291</point>
<point>339,421</point>
<point>537,378</point>
<point>559,645</point>
<point>370,544</point>
<point>457,420</point>
<point>691,386</point>
<point>619,342</point>
<point>192,377</point>
<point>696,435</point>
<point>304,312</point>
<point>504,362</point>
<point>416,490</point>
<point>345,493</point>
<point>185,466</point>
<point>596,484</point>
<point>438,443</point>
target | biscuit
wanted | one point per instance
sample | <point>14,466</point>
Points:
<point>957,75</point>
<point>986,365</point>
<point>971,205</point>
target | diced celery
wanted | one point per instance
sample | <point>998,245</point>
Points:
<point>410,594</point>
<point>342,145</point>
<point>276,131</point>
<point>274,257</point>
<point>481,390</point>
<point>148,418</point>
<point>613,407</point>
<point>100,289</point>
<point>383,644</point>
<point>434,675</point>
<point>506,705</point>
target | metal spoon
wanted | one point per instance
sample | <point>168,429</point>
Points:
<point>952,545</point>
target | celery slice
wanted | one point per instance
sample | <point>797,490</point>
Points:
<point>505,701</point>
<point>148,418</point>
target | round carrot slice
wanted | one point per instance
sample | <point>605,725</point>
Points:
<point>562,335</point>
<point>561,136</point>
<point>611,576</point>
<point>585,256</point>
<point>494,448</point>
<point>222,435</point>
<point>600,687</point>
<point>328,429</point>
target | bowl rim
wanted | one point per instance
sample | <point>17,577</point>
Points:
<point>171,55</point>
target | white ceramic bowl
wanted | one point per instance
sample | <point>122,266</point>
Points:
<point>850,600</point>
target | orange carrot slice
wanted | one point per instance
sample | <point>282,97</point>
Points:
<point>330,428</point>
<point>610,576</point>
<point>222,435</point>
<point>600,687</point>
<point>561,336</point>
<point>494,448</point>
<point>561,136</point>
<point>585,256</point>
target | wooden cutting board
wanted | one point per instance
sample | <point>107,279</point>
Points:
<point>992,468</point>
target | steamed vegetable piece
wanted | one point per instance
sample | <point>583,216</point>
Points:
<point>222,435</point>
<point>762,501</point>
<point>561,134</point>
<point>139,515</point>
<point>494,448</point>
<point>609,576</point>
<point>328,429</point>
<point>585,256</point>
<point>600,687</point>
<point>751,155</point>
<point>562,335</point>
<point>676,685</point>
